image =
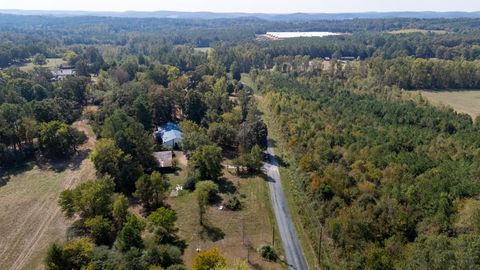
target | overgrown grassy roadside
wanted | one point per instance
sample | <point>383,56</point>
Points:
<point>287,182</point>
<point>294,204</point>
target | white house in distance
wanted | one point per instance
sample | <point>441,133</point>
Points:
<point>63,72</point>
<point>169,135</point>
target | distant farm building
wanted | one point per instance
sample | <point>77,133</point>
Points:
<point>164,159</point>
<point>285,35</point>
<point>63,72</point>
<point>169,135</point>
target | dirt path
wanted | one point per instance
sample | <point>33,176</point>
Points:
<point>182,159</point>
<point>30,217</point>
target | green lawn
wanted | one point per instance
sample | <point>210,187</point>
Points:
<point>51,64</point>
<point>248,81</point>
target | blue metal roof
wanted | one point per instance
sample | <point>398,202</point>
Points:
<point>169,127</point>
<point>171,135</point>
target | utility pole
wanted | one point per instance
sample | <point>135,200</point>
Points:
<point>246,244</point>
<point>273,235</point>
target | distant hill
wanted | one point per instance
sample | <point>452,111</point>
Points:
<point>265,16</point>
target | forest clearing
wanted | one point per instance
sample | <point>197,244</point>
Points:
<point>467,101</point>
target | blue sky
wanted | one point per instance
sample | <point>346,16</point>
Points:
<point>267,6</point>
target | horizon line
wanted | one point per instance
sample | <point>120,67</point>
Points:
<point>233,12</point>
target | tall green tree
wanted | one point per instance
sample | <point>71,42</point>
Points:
<point>130,236</point>
<point>207,160</point>
<point>142,112</point>
<point>151,189</point>
<point>130,136</point>
<point>251,134</point>
<point>89,199</point>
<point>74,255</point>
<point>162,223</point>
<point>194,107</point>
<point>235,70</point>
<point>120,210</point>
<point>206,192</point>
<point>110,160</point>
<point>222,134</point>
<point>100,229</point>
<point>57,139</point>
<point>39,59</point>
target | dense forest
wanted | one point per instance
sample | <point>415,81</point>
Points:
<point>368,37</point>
<point>392,181</point>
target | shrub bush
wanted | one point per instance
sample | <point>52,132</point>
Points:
<point>267,252</point>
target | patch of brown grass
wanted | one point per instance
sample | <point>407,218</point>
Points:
<point>461,101</point>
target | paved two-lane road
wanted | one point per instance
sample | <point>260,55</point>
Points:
<point>291,245</point>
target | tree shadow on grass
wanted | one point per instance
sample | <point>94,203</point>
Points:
<point>229,153</point>
<point>4,180</point>
<point>76,229</point>
<point>62,164</point>
<point>226,186</point>
<point>211,232</point>
<point>7,173</point>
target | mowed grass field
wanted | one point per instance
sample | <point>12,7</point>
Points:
<point>236,233</point>
<point>51,63</point>
<point>30,219</point>
<point>461,101</point>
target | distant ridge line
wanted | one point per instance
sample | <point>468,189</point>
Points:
<point>264,16</point>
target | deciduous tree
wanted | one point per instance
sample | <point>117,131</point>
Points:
<point>151,189</point>
<point>58,139</point>
<point>208,259</point>
<point>207,160</point>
